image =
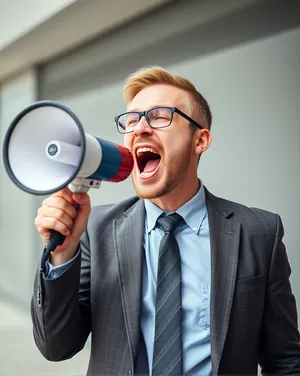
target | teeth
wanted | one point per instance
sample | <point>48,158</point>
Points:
<point>143,150</point>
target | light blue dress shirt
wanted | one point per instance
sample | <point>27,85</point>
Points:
<point>194,244</point>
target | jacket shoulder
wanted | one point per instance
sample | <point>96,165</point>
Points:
<point>250,217</point>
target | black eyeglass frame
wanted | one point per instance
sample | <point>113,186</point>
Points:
<point>145,113</point>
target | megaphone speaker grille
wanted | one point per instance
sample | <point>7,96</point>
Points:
<point>24,155</point>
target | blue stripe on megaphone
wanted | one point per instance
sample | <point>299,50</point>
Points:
<point>110,162</point>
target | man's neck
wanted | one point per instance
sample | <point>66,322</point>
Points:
<point>177,197</point>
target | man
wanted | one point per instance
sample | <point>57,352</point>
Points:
<point>208,295</point>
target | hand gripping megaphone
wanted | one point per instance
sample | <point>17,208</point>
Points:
<point>46,149</point>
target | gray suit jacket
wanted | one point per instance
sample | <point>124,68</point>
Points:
<point>253,311</point>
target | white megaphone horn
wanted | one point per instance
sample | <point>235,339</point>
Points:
<point>46,149</point>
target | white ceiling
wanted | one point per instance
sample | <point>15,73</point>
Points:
<point>18,17</point>
<point>41,30</point>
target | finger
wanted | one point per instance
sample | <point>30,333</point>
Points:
<point>55,213</point>
<point>46,224</point>
<point>62,204</point>
<point>64,193</point>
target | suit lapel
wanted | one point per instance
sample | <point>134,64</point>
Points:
<point>224,238</point>
<point>128,236</point>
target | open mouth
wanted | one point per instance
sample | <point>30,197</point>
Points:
<point>148,160</point>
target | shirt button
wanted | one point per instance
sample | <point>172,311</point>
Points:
<point>129,373</point>
<point>195,229</point>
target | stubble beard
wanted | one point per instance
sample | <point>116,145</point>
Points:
<point>164,186</point>
<point>153,192</point>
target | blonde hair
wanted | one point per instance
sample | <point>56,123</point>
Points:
<point>154,75</point>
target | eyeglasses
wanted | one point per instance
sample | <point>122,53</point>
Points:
<point>158,117</point>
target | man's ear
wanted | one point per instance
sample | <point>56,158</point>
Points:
<point>203,140</point>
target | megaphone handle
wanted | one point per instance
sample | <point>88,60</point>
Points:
<point>56,239</point>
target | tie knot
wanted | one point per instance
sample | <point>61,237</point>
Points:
<point>169,222</point>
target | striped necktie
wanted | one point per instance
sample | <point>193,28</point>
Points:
<point>167,354</point>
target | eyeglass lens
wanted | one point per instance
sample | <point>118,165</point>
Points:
<point>157,117</point>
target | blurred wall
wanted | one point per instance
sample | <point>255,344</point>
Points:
<point>18,261</point>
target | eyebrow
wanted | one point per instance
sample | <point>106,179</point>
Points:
<point>150,108</point>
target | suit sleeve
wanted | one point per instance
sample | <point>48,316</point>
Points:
<point>280,345</point>
<point>60,308</point>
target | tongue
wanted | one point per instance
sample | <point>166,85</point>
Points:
<point>151,165</point>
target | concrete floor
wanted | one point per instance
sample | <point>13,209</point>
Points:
<point>19,355</point>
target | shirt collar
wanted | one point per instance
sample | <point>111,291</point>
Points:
<point>193,211</point>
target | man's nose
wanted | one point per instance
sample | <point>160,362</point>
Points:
<point>142,127</point>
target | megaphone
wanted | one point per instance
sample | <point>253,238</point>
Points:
<point>46,149</point>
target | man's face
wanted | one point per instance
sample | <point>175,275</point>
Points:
<point>164,158</point>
